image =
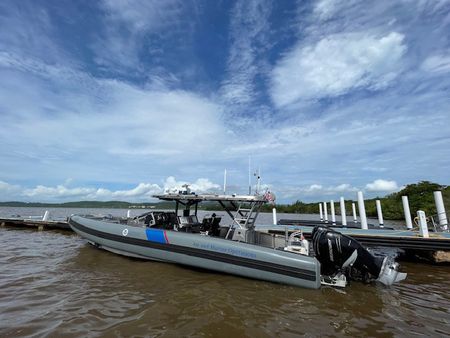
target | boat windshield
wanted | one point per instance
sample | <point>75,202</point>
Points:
<point>184,219</point>
<point>192,219</point>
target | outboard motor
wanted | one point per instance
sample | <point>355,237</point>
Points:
<point>340,255</point>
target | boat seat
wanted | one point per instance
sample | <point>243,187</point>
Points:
<point>211,224</point>
<point>148,221</point>
<point>223,231</point>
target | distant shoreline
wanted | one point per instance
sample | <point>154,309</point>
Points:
<point>420,197</point>
<point>88,204</point>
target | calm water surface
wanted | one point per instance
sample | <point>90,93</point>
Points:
<point>55,285</point>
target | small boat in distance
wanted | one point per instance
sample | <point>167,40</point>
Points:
<point>237,248</point>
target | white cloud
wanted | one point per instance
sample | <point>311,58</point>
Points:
<point>201,185</point>
<point>381,185</point>
<point>439,63</point>
<point>141,190</point>
<point>319,189</point>
<point>7,189</point>
<point>62,193</point>
<point>102,117</point>
<point>344,187</point>
<point>127,24</point>
<point>29,26</point>
<point>325,9</point>
<point>337,64</point>
<point>314,187</point>
<point>314,192</point>
<point>59,191</point>
<point>141,15</point>
<point>249,34</point>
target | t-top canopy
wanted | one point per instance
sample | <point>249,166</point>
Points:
<point>211,197</point>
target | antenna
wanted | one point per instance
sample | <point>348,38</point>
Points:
<point>249,177</point>
<point>258,180</point>
<point>225,181</point>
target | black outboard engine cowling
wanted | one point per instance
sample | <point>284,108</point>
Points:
<point>338,253</point>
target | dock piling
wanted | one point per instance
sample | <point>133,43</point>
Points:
<point>343,213</point>
<point>274,216</point>
<point>407,212</point>
<point>423,227</point>
<point>325,212</point>
<point>379,213</point>
<point>320,211</point>
<point>440,210</point>
<point>354,213</point>
<point>128,213</point>
<point>362,211</point>
<point>333,215</point>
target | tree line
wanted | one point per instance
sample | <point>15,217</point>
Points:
<point>420,196</point>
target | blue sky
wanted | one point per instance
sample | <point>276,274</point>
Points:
<point>123,99</point>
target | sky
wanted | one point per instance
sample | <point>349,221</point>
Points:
<point>123,99</point>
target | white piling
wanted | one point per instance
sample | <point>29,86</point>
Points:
<point>274,215</point>
<point>440,210</point>
<point>333,215</point>
<point>320,211</point>
<point>354,213</point>
<point>362,211</point>
<point>423,228</point>
<point>407,212</point>
<point>46,216</point>
<point>129,214</point>
<point>379,213</point>
<point>343,214</point>
<point>325,212</point>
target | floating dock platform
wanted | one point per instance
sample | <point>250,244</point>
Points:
<point>376,235</point>
<point>436,247</point>
<point>35,224</point>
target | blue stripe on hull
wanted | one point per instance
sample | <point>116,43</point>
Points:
<point>156,235</point>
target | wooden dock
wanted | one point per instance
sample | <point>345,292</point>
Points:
<point>34,224</point>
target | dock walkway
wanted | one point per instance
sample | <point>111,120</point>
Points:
<point>35,224</point>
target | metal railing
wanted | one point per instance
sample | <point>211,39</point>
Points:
<point>434,220</point>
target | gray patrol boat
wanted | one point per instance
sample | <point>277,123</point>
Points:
<point>237,248</point>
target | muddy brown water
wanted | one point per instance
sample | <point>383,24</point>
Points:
<point>53,284</point>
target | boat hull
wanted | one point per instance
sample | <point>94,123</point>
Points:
<point>201,251</point>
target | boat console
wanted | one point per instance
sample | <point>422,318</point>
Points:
<point>168,220</point>
<point>158,219</point>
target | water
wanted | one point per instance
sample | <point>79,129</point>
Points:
<point>54,284</point>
